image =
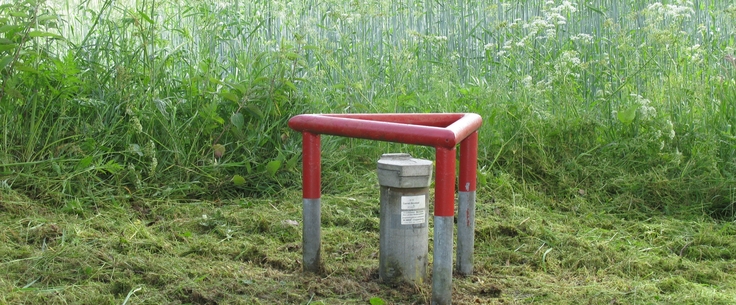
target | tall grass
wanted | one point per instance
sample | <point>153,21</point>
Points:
<point>103,99</point>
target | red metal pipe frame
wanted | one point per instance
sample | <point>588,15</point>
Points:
<point>442,131</point>
<point>435,129</point>
<point>426,119</point>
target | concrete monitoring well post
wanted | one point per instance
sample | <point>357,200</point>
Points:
<point>403,244</point>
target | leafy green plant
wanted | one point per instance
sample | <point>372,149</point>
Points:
<point>376,301</point>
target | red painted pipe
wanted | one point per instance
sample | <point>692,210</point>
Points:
<point>444,183</point>
<point>427,119</point>
<point>311,166</point>
<point>468,163</point>
<point>430,129</point>
<point>465,126</point>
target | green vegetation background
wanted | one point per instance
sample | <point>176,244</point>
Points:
<point>606,154</point>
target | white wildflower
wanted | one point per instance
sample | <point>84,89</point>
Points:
<point>568,61</point>
<point>545,84</point>
<point>566,6</point>
<point>154,164</point>
<point>647,112</point>
<point>694,53</point>
<point>656,6</point>
<point>541,114</point>
<point>571,57</point>
<point>489,46</point>
<point>582,37</point>
<point>550,33</point>
<point>507,44</point>
<point>521,43</point>
<point>677,157</point>
<point>150,149</point>
<point>136,124</point>
<point>527,81</point>
<point>660,11</point>
<point>556,18</point>
<point>537,25</point>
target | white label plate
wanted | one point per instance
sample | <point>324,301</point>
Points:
<point>413,202</point>
<point>412,217</point>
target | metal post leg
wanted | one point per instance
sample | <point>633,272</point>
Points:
<point>444,210</point>
<point>311,212</point>
<point>466,204</point>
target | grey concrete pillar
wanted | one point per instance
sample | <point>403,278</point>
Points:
<point>403,244</point>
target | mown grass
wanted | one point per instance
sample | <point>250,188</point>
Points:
<point>530,248</point>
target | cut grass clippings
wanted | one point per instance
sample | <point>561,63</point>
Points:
<point>248,251</point>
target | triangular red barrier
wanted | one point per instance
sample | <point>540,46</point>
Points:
<point>429,129</point>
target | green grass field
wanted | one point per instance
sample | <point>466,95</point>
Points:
<point>145,156</point>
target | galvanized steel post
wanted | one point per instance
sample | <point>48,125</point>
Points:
<point>466,204</point>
